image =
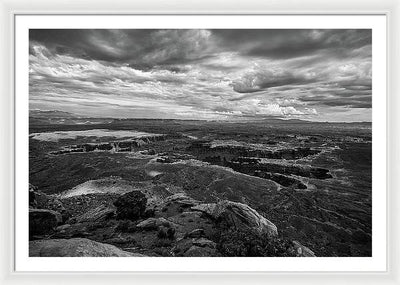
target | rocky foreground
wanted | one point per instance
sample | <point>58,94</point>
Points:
<point>152,222</point>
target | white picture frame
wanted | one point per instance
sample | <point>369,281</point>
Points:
<point>311,7</point>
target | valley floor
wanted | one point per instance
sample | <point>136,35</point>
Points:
<point>176,188</point>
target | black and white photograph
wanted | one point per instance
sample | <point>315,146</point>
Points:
<point>200,143</point>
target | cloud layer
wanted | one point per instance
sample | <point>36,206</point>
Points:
<point>322,75</point>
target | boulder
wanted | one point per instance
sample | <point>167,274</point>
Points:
<point>131,205</point>
<point>205,208</point>
<point>63,228</point>
<point>195,247</point>
<point>174,204</point>
<point>153,224</point>
<point>203,242</point>
<point>71,231</point>
<point>197,251</point>
<point>42,221</point>
<point>98,214</point>
<point>302,251</point>
<point>181,198</point>
<point>196,233</point>
<point>193,224</point>
<point>75,247</point>
<point>239,216</point>
<point>182,246</point>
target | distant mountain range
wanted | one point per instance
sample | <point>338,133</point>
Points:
<point>57,115</point>
<point>50,114</point>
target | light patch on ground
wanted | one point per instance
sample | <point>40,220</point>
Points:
<point>56,136</point>
<point>192,162</point>
<point>106,185</point>
<point>153,173</point>
<point>190,137</point>
<point>141,155</point>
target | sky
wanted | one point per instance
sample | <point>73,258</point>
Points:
<point>316,75</point>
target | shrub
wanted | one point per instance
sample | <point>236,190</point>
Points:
<point>131,205</point>
<point>126,226</point>
<point>166,233</point>
<point>163,242</point>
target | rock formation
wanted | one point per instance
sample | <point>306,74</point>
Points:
<point>114,146</point>
<point>238,216</point>
<point>226,150</point>
<point>273,163</point>
<point>75,247</point>
<point>127,224</point>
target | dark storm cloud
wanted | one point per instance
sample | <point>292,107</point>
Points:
<point>294,43</point>
<point>139,48</point>
<point>148,47</point>
<point>336,100</point>
<point>264,79</point>
<point>107,45</point>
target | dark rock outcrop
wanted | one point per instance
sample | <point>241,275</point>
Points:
<point>115,146</point>
<point>262,161</point>
<point>131,205</point>
<point>173,157</point>
<point>283,180</point>
<point>278,167</point>
<point>226,151</point>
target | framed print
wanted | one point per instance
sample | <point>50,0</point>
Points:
<point>202,142</point>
